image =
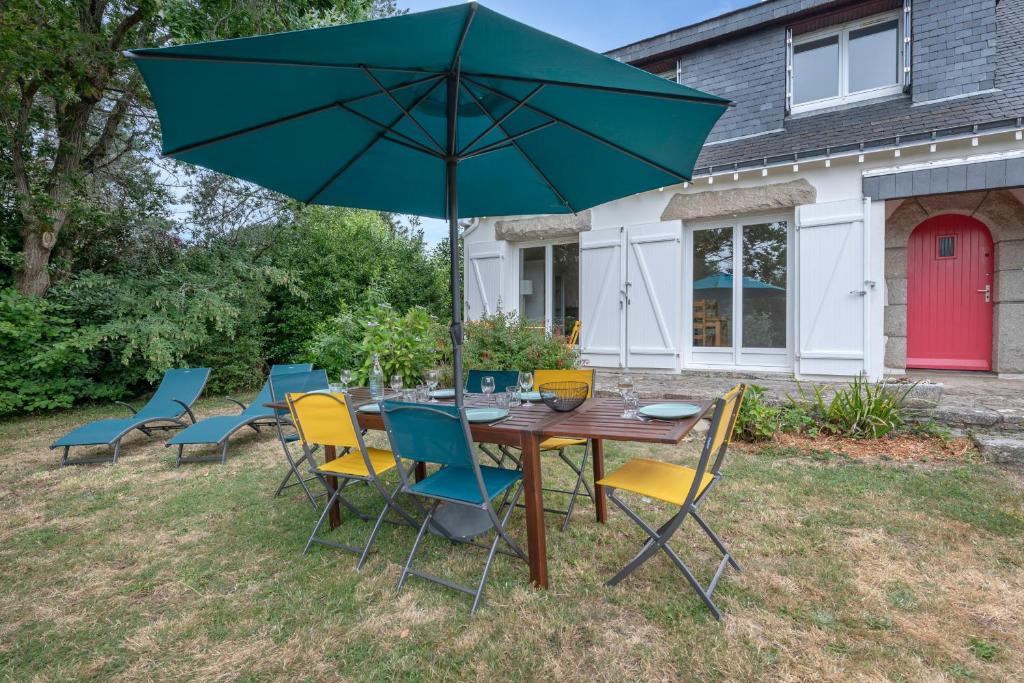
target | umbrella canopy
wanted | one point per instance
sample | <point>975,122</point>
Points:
<point>724,281</point>
<point>454,112</point>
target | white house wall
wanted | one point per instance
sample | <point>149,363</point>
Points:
<point>840,179</point>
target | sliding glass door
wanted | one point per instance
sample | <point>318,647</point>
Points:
<point>738,293</point>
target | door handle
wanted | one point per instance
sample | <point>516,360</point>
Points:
<point>987,292</point>
<point>859,292</point>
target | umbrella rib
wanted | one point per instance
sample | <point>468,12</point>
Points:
<point>522,153</point>
<point>593,136</point>
<point>290,117</point>
<point>502,118</point>
<point>133,54</point>
<point>696,99</point>
<point>502,144</point>
<point>348,164</point>
<point>405,112</point>
<point>409,142</point>
<point>456,58</point>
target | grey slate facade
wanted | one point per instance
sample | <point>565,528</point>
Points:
<point>969,50</point>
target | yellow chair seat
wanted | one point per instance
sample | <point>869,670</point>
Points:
<point>656,479</point>
<point>352,464</point>
<point>557,442</point>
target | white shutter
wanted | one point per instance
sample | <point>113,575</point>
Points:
<point>833,290</point>
<point>602,313</point>
<point>654,261</point>
<point>483,279</point>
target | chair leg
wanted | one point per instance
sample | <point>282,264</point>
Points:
<point>388,505</point>
<point>320,522</point>
<point>177,459</point>
<point>117,451</point>
<point>580,481</point>
<point>224,453</point>
<point>716,540</point>
<point>64,457</point>
<point>416,545</point>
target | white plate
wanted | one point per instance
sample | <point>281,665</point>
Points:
<point>669,411</point>
<point>369,408</point>
<point>442,393</point>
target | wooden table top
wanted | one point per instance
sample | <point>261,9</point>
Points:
<point>597,418</point>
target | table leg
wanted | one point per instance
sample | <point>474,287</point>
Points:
<point>533,499</point>
<point>600,502</point>
<point>329,454</point>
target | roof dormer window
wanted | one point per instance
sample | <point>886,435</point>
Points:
<point>858,60</point>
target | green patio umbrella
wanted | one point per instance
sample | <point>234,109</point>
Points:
<point>455,112</point>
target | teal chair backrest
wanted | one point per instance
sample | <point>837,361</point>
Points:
<point>502,380</point>
<point>286,383</point>
<point>183,384</point>
<point>258,405</point>
<point>428,433</point>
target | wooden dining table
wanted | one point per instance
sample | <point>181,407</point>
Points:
<point>597,419</point>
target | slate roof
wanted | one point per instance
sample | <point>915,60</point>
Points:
<point>875,124</point>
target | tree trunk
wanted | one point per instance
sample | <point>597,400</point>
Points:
<point>34,277</point>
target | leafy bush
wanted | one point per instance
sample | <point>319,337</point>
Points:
<point>41,363</point>
<point>406,344</point>
<point>757,421</point>
<point>861,409</point>
<point>505,341</point>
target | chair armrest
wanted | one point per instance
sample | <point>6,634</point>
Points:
<point>187,409</point>
<point>126,405</point>
<point>237,402</point>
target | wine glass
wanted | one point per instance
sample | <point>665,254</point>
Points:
<point>345,377</point>
<point>432,376</point>
<point>526,383</point>
<point>397,383</point>
<point>625,389</point>
<point>487,385</point>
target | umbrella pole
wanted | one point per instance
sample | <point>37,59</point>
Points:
<point>452,199</point>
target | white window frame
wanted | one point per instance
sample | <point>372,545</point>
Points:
<point>549,274</point>
<point>737,356</point>
<point>842,31</point>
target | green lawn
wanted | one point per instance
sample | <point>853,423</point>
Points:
<point>852,570</point>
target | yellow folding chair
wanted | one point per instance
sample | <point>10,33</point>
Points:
<point>558,444</point>
<point>329,420</point>
<point>682,486</point>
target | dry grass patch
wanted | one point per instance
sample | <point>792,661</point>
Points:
<point>852,571</point>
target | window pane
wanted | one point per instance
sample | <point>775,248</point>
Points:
<point>712,287</point>
<point>874,56</point>
<point>531,284</point>
<point>816,70</point>
<point>764,286</point>
<point>565,297</point>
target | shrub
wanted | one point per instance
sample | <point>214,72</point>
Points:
<point>757,421</point>
<point>505,341</point>
<point>861,409</point>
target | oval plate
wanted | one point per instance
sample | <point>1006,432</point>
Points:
<point>442,393</point>
<point>485,414</point>
<point>530,395</point>
<point>369,408</point>
<point>669,411</point>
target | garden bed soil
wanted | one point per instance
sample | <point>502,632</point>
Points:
<point>902,447</point>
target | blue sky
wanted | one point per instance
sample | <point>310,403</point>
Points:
<point>596,24</point>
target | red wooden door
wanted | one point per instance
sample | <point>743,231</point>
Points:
<point>949,294</point>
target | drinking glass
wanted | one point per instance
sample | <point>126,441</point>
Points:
<point>422,393</point>
<point>346,377</point>
<point>631,404</point>
<point>526,383</point>
<point>625,385</point>
<point>503,400</point>
<point>409,395</point>
<point>487,385</point>
<point>432,377</point>
<point>335,388</point>
<point>397,383</point>
<point>514,401</point>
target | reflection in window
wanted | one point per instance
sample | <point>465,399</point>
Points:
<point>531,284</point>
<point>816,70</point>
<point>712,287</point>
<point>565,285</point>
<point>874,56</point>
<point>764,285</point>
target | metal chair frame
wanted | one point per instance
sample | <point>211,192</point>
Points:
<point>282,420</point>
<point>336,493</point>
<point>658,539</point>
<point>498,525</point>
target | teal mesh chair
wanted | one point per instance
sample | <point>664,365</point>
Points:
<point>217,430</point>
<point>166,409</point>
<point>439,434</point>
<point>280,386</point>
<point>502,380</point>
